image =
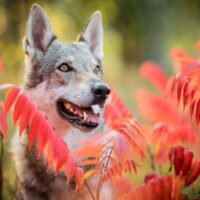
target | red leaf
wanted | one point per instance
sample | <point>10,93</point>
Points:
<point>89,150</point>
<point>176,156</point>
<point>49,142</point>
<point>3,122</point>
<point>69,167</point>
<point>192,93</point>
<point>197,114</point>
<point>156,188</point>
<point>88,162</point>
<point>185,92</point>
<point>188,156</point>
<point>115,109</point>
<point>171,84</point>
<point>1,64</point>
<point>19,104</point>
<point>79,178</point>
<point>178,159</point>
<point>179,90</point>
<point>42,139</point>
<point>11,96</point>
<point>168,187</point>
<point>49,150</point>
<point>153,72</point>
<point>131,140</point>
<point>193,173</point>
<point>182,159</point>
<point>182,59</point>
<point>65,156</point>
<point>26,112</point>
<point>164,111</point>
<point>149,177</point>
<point>90,173</point>
<point>34,128</point>
<point>122,185</point>
<point>192,108</point>
<point>118,167</point>
<point>144,192</point>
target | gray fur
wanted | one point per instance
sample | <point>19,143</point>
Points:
<point>45,84</point>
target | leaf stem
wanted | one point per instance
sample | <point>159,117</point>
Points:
<point>151,156</point>
<point>102,173</point>
<point>90,191</point>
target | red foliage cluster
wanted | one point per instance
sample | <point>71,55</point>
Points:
<point>184,164</point>
<point>55,151</point>
<point>185,86</point>
<point>119,167</point>
<point>166,124</point>
<point>169,186</point>
<point>115,151</point>
<point>170,124</point>
<point>49,142</point>
<point>120,119</point>
<point>156,188</point>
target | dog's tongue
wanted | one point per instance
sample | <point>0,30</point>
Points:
<point>93,117</point>
<point>90,116</point>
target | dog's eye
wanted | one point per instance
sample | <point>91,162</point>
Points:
<point>65,68</point>
<point>97,69</point>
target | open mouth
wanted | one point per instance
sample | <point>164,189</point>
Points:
<point>80,117</point>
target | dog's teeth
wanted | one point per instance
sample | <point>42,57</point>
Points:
<point>95,109</point>
<point>84,116</point>
<point>67,105</point>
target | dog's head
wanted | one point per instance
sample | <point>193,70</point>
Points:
<point>64,79</point>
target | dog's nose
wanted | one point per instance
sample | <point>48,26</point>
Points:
<point>101,92</point>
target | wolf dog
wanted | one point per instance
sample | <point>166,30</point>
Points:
<point>65,82</point>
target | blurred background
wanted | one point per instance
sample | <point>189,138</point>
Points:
<point>134,31</point>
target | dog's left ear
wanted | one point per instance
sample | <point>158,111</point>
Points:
<point>93,34</point>
<point>38,34</point>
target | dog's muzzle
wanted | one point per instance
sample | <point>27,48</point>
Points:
<point>85,118</point>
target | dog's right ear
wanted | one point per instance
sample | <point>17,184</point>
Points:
<point>92,34</point>
<point>38,34</point>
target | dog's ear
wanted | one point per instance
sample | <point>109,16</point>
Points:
<point>93,34</point>
<point>38,34</point>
